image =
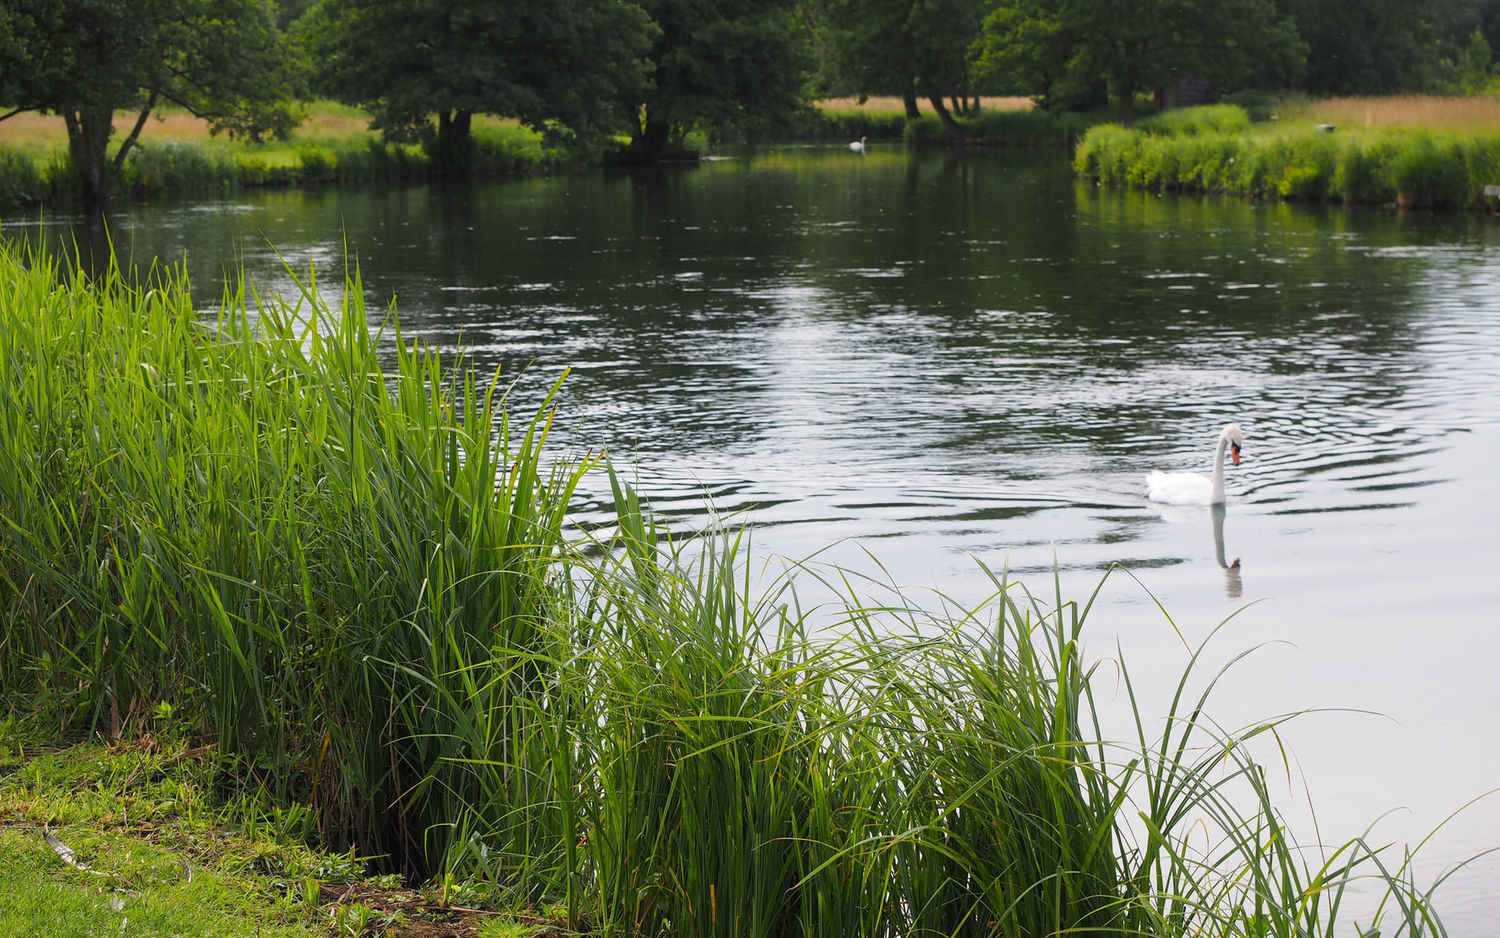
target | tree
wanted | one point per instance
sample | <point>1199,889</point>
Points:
<point>222,60</point>
<point>558,66</point>
<point>716,62</point>
<point>1139,45</point>
<point>1388,46</point>
<point>909,48</point>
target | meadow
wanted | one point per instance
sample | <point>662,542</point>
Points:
<point>347,568</point>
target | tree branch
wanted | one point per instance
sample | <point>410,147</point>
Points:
<point>20,110</point>
<point>135,132</point>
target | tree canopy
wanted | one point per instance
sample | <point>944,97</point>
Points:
<point>717,62</point>
<point>86,59</point>
<point>559,66</point>
<point>1137,45</point>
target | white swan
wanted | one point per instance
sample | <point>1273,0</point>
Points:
<point>858,146</point>
<point>1190,488</point>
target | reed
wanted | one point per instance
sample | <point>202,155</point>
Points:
<point>258,524</point>
<point>346,564</point>
<point>1415,168</point>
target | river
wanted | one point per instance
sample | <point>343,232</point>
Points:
<point>933,362</point>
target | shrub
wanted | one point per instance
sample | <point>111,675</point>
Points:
<point>1363,171</point>
<point>20,181</point>
<point>1210,118</point>
<point>175,167</point>
<point>316,165</point>
<point>1430,173</point>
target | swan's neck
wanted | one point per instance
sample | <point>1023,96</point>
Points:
<point>1218,493</point>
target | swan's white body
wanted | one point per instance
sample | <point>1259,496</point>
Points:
<point>1190,488</point>
<point>858,146</point>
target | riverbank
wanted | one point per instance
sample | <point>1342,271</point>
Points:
<point>282,538</point>
<point>177,156</point>
<point>1218,150</point>
<point>138,839</point>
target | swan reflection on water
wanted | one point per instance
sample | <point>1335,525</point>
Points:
<point>1233,586</point>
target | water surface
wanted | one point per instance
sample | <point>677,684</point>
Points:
<point>933,361</point>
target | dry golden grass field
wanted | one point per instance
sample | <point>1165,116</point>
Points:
<point>323,120</point>
<point>1472,113</point>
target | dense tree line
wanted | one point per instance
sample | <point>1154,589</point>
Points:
<point>582,71</point>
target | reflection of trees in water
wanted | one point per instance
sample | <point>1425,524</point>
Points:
<point>988,291</point>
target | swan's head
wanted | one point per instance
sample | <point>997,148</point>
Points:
<point>1233,437</point>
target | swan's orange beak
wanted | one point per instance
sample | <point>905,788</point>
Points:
<point>1234,453</point>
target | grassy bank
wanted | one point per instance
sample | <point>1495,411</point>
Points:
<point>138,840</point>
<point>1216,149</point>
<point>176,155</point>
<point>345,567</point>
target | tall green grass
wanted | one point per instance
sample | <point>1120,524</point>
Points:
<point>256,522</point>
<point>1418,169</point>
<point>348,565</point>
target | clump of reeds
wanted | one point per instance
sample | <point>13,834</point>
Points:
<point>1414,168</point>
<point>346,565</point>
<point>314,546</point>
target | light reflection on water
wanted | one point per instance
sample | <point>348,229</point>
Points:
<point>938,362</point>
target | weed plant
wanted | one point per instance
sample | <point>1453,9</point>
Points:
<point>346,564</point>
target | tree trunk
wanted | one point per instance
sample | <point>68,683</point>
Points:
<point>649,142</point>
<point>453,148</point>
<point>88,146</point>
<point>1125,88</point>
<point>910,100</point>
<point>949,124</point>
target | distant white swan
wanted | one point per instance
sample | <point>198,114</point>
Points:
<point>1190,488</point>
<point>858,146</point>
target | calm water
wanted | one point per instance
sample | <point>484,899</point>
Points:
<point>937,361</point>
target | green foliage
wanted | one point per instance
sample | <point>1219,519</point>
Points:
<point>274,541</point>
<point>559,67</point>
<point>20,181</point>
<point>1421,169</point>
<point>718,64</point>
<point>174,168</point>
<point>1395,46</point>
<point>1033,128</point>
<point>1211,118</point>
<point>1431,172</point>
<point>222,59</point>
<point>1063,46</point>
